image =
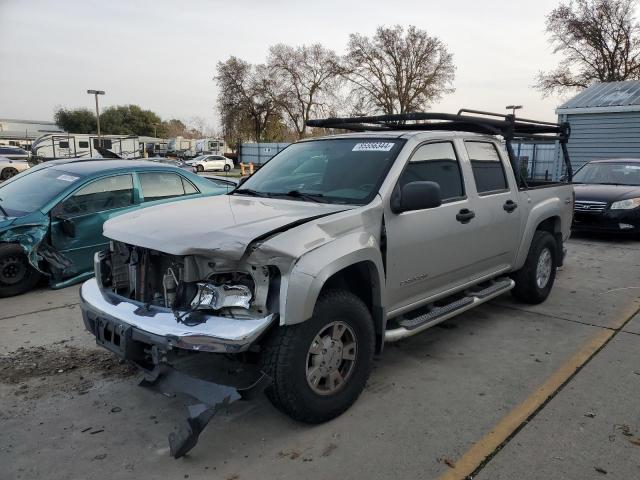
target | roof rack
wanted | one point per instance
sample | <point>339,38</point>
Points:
<point>466,120</point>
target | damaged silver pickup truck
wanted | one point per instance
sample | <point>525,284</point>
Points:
<point>334,247</point>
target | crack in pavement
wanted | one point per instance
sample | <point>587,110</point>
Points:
<point>557,317</point>
<point>42,310</point>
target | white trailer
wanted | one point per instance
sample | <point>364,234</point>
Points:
<point>189,148</point>
<point>76,145</point>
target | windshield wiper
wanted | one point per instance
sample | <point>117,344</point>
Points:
<point>313,197</point>
<point>248,191</point>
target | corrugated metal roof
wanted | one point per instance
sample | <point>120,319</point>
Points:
<point>609,95</point>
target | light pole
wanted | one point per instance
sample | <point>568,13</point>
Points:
<point>513,108</point>
<point>96,93</point>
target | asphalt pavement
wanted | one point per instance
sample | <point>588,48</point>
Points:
<point>505,391</point>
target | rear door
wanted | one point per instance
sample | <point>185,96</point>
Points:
<point>433,250</point>
<point>84,212</point>
<point>494,198</point>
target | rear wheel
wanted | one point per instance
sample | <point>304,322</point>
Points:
<point>8,172</point>
<point>320,367</point>
<point>227,167</point>
<point>16,274</point>
<point>535,279</point>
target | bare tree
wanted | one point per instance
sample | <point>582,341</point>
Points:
<point>599,41</point>
<point>244,96</point>
<point>305,81</point>
<point>398,71</point>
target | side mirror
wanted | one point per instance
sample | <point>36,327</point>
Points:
<point>67,225</point>
<point>416,196</point>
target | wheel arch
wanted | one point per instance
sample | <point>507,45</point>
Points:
<point>549,222</point>
<point>360,272</point>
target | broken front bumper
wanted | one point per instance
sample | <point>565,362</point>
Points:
<point>114,320</point>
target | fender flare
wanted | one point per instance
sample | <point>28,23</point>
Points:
<point>548,209</point>
<point>303,286</point>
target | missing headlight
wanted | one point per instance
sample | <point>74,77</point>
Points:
<point>216,297</point>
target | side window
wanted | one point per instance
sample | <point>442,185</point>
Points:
<point>436,162</point>
<point>106,143</point>
<point>488,171</point>
<point>104,194</point>
<point>159,185</point>
<point>63,144</point>
<point>189,189</point>
<point>83,144</point>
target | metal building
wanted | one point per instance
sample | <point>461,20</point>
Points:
<point>23,132</point>
<point>605,123</point>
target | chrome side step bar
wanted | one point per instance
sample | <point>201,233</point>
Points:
<point>473,298</point>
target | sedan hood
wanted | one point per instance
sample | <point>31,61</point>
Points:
<point>5,222</point>
<point>605,193</point>
<point>223,225</point>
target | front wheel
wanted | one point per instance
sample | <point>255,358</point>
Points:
<point>320,367</point>
<point>16,274</point>
<point>227,167</point>
<point>199,168</point>
<point>535,279</point>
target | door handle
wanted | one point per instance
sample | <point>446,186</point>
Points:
<point>465,215</point>
<point>510,206</point>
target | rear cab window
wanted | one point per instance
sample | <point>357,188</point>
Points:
<point>487,166</point>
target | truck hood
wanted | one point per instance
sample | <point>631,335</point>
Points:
<point>605,193</point>
<point>223,225</point>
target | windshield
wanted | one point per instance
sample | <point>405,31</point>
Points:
<point>28,193</point>
<point>344,170</point>
<point>609,174</point>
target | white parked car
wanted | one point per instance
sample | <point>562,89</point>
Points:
<point>211,162</point>
<point>9,168</point>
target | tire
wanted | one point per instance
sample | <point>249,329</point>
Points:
<point>7,173</point>
<point>227,167</point>
<point>529,286</point>
<point>199,168</point>
<point>288,358</point>
<point>16,274</point>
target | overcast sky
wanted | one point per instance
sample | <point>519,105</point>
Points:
<point>162,54</point>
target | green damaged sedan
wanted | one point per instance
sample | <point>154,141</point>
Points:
<point>51,216</point>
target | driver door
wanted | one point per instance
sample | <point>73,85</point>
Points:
<point>76,222</point>
<point>430,251</point>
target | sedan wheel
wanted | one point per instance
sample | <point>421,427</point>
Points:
<point>227,167</point>
<point>199,168</point>
<point>8,172</point>
<point>16,274</point>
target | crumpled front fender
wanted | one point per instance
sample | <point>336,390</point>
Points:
<point>31,237</point>
<point>310,274</point>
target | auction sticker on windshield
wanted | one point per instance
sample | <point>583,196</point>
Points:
<point>373,147</point>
